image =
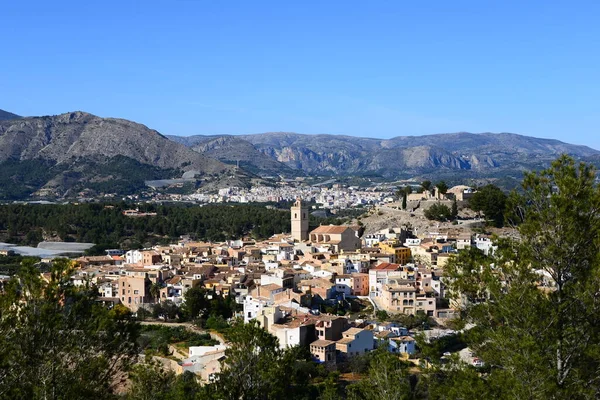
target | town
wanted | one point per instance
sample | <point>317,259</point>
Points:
<point>410,284</point>
<point>327,289</point>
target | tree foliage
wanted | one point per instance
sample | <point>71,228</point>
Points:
<point>441,187</point>
<point>105,224</point>
<point>57,342</point>
<point>492,202</point>
<point>438,212</point>
<point>387,378</point>
<point>254,366</point>
<point>426,185</point>
<point>535,304</point>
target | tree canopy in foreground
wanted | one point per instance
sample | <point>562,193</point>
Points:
<point>57,342</point>
<point>535,304</point>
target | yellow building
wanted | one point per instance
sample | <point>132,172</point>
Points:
<point>401,253</point>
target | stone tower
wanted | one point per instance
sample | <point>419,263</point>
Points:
<point>299,221</point>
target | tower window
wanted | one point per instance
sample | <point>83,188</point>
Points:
<point>295,215</point>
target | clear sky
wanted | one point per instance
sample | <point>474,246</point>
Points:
<point>367,68</point>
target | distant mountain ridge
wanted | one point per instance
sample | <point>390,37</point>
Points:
<point>481,153</point>
<point>5,115</point>
<point>66,154</point>
<point>82,150</point>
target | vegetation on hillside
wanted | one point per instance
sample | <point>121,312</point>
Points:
<point>119,175</point>
<point>105,224</point>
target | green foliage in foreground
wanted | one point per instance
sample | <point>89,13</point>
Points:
<point>57,342</point>
<point>10,265</point>
<point>535,304</point>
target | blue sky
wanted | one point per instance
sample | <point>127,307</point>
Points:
<point>378,69</point>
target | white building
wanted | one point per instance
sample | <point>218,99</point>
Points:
<point>355,341</point>
<point>484,243</point>
<point>133,257</point>
<point>404,344</point>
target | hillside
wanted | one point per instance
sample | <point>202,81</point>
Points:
<point>234,150</point>
<point>441,155</point>
<point>81,150</point>
<point>5,115</point>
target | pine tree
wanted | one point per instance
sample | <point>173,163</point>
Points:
<point>454,211</point>
<point>57,342</point>
<point>534,304</point>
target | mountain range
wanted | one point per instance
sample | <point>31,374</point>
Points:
<point>5,115</point>
<point>483,154</point>
<point>65,154</point>
<point>77,151</point>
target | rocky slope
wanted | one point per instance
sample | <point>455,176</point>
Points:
<point>5,115</point>
<point>483,154</point>
<point>234,150</point>
<point>81,147</point>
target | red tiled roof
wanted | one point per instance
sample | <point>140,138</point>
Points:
<point>329,229</point>
<point>387,266</point>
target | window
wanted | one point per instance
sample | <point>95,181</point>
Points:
<point>295,215</point>
<point>136,292</point>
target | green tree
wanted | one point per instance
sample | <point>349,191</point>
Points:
<point>534,303</point>
<point>454,210</point>
<point>253,368</point>
<point>57,342</point>
<point>426,185</point>
<point>442,187</point>
<point>155,291</point>
<point>196,303</point>
<point>438,212</point>
<point>151,381</point>
<point>492,202</point>
<point>387,377</point>
<point>382,315</point>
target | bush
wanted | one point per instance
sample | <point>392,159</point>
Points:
<point>438,212</point>
<point>382,315</point>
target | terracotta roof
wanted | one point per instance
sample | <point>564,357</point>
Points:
<point>271,287</point>
<point>352,331</point>
<point>387,266</point>
<point>322,343</point>
<point>174,280</point>
<point>331,229</point>
<point>404,339</point>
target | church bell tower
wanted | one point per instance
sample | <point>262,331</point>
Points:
<point>299,221</point>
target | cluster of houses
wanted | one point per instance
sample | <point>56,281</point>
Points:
<point>284,282</point>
